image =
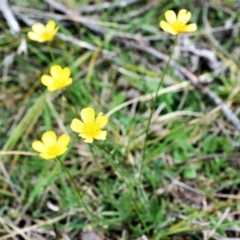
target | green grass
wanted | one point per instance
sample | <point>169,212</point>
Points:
<point>190,180</point>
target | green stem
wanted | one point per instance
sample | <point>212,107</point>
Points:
<point>112,163</point>
<point>80,197</point>
<point>51,52</point>
<point>71,178</point>
<point>154,101</point>
<point>115,164</point>
<point>125,178</point>
<point>102,148</point>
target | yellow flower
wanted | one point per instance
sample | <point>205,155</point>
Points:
<point>41,33</point>
<point>51,147</point>
<point>60,77</point>
<point>90,128</point>
<point>178,24</point>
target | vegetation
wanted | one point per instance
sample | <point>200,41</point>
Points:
<point>177,180</point>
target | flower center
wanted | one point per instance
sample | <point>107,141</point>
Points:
<point>179,26</point>
<point>53,149</point>
<point>46,36</point>
<point>59,82</point>
<point>91,129</point>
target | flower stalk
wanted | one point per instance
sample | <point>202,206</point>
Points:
<point>153,105</point>
<point>80,196</point>
<point>51,52</point>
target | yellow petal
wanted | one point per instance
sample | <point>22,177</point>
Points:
<point>68,82</point>
<point>56,71</point>
<point>64,84</point>
<point>56,88</point>
<point>58,85</point>
<point>76,125</point>
<point>47,156</point>
<point>102,135</point>
<point>46,80</point>
<point>88,115</point>
<point>52,88</point>
<point>49,138</point>
<point>33,36</point>
<point>63,141</point>
<point>101,120</point>
<point>66,72</point>
<point>191,27</point>
<point>170,16</point>
<point>41,39</point>
<point>61,151</point>
<point>38,28</point>
<point>55,30</point>
<point>50,26</point>
<point>38,146</point>
<point>88,140</point>
<point>167,28</point>
<point>184,16</point>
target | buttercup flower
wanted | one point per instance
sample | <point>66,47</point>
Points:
<point>60,77</point>
<point>178,24</point>
<point>51,147</point>
<point>90,128</point>
<point>41,33</point>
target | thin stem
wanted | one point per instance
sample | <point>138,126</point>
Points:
<point>96,161</point>
<point>125,177</point>
<point>102,148</point>
<point>80,197</point>
<point>51,52</point>
<point>115,164</point>
<point>71,178</point>
<point>154,104</point>
<point>112,163</point>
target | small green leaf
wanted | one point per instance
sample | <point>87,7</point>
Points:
<point>190,173</point>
